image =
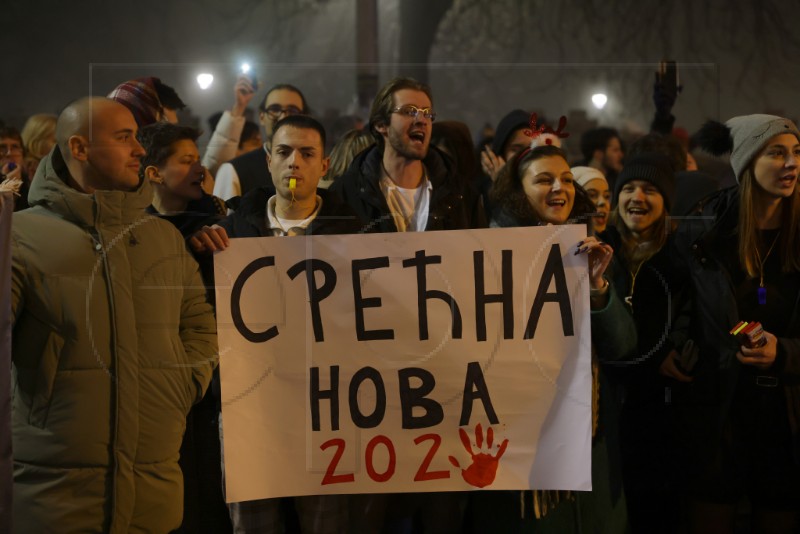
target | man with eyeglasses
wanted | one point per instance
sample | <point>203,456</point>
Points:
<point>402,184</point>
<point>249,171</point>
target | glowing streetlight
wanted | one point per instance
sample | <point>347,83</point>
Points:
<point>599,100</point>
<point>205,80</point>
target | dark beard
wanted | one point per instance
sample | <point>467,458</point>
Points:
<point>404,149</point>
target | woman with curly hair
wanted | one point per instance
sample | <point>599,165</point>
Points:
<point>536,187</point>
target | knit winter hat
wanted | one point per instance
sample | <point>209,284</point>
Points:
<point>141,98</point>
<point>509,124</point>
<point>584,175</point>
<point>652,167</point>
<point>744,137</point>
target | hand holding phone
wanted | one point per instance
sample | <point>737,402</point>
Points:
<point>243,93</point>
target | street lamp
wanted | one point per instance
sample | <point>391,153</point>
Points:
<point>205,80</point>
<point>599,100</point>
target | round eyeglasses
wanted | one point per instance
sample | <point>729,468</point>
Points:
<point>412,111</point>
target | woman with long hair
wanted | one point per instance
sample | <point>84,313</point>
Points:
<point>643,276</point>
<point>743,256</point>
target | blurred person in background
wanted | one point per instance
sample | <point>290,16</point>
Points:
<point>596,186</point>
<point>602,150</point>
<point>12,172</point>
<point>346,149</point>
<point>250,171</point>
<point>38,138</point>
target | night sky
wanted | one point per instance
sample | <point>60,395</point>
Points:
<point>735,57</point>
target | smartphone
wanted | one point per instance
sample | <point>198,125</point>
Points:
<point>248,71</point>
<point>668,76</point>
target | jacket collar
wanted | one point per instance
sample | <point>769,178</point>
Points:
<point>370,165</point>
<point>725,204</point>
<point>253,210</point>
<point>50,190</point>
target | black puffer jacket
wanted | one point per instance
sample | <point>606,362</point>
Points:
<point>451,208</point>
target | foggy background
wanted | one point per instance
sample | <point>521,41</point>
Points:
<point>481,58</point>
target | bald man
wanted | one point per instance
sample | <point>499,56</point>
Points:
<point>113,340</point>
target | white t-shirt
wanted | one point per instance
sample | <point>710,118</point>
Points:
<point>284,227</point>
<point>409,207</point>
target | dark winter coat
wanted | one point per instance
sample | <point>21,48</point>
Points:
<point>655,303</point>
<point>701,248</point>
<point>453,205</point>
<point>250,218</point>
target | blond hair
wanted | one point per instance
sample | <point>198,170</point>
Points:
<point>38,133</point>
<point>347,148</point>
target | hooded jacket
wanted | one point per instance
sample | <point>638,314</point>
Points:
<point>113,342</point>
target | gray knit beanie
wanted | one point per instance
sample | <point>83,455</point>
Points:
<point>744,137</point>
<point>751,132</point>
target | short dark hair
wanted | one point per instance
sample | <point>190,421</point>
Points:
<point>301,121</point>
<point>285,87</point>
<point>167,95</point>
<point>596,139</point>
<point>249,131</point>
<point>381,111</point>
<point>9,132</point>
<point>158,140</point>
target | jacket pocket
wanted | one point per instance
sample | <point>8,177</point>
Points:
<point>184,374</point>
<point>45,379</point>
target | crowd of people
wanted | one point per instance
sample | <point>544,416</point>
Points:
<point>116,412</point>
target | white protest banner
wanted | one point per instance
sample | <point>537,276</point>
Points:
<point>433,361</point>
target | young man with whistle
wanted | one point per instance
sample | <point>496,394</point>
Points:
<point>297,162</point>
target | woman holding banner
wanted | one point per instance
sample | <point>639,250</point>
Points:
<point>536,187</point>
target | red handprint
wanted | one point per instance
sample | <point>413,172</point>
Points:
<point>483,469</point>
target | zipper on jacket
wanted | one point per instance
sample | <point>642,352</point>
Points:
<point>99,248</point>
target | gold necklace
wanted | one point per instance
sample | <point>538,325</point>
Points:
<point>634,274</point>
<point>762,291</point>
